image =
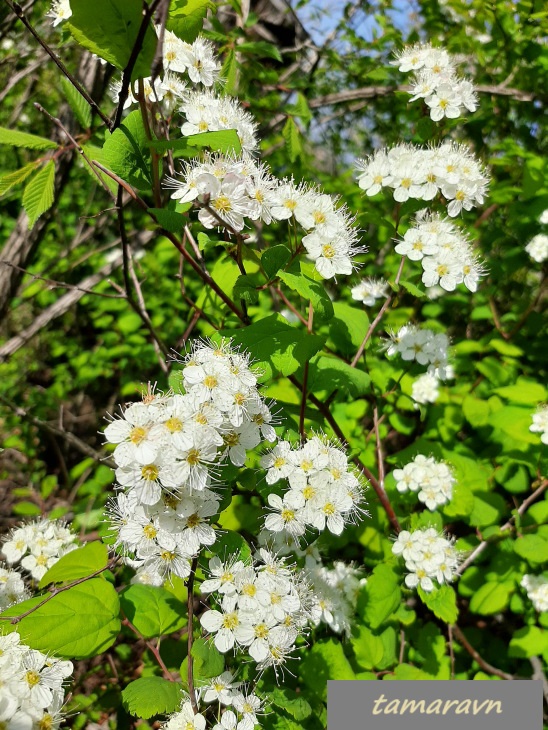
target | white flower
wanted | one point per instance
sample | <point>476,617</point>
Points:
<point>60,10</point>
<point>425,389</point>
<point>223,624</point>
<point>537,591</point>
<point>369,290</point>
<point>429,556</point>
<point>220,689</point>
<point>537,248</point>
<point>185,719</point>
<point>540,424</point>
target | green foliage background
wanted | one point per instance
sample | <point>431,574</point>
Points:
<point>99,352</point>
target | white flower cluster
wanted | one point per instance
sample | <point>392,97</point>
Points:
<point>446,255</point>
<point>537,591</point>
<point>429,556</point>
<point>264,607</point>
<point>245,706</point>
<point>369,290</point>
<point>233,189</point>
<point>425,389</point>
<point>422,345</point>
<point>167,451</point>
<point>38,545</point>
<point>540,424</point>
<point>432,480</point>
<point>324,492</point>
<point>31,686</point>
<point>60,10</point>
<point>335,593</point>
<point>206,111</point>
<point>537,248</point>
<point>12,588</point>
<point>436,81</point>
<point>415,172</point>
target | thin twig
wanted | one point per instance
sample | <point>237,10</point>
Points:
<point>17,9</point>
<point>55,592</point>
<point>489,668</point>
<point>154,650</point>
<point>190,637</point>
<point>305,376</point>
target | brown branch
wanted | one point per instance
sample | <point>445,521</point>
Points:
<point>190,637</point>
<point>55,592</point>
<point>489,668</point>
<point>152,647</point>
<point>66,435</point>
<point>305,375</point>
<point>148,12</point>
<point>524,506</point>
<point>18,10</point>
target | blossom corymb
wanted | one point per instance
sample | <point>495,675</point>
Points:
<point>436,81</point>
<point>429,556</point>
<point>168,451</point>
<point>32,692</point>
<point>540,423</point>
<point>446,255</point>
<point>422,173</point>
<point>537,591</point>
<point>422,345</point>
<point>432,480</point>
<point>537,248</point>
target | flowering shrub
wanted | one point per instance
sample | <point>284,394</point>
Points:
<point>313,473</point>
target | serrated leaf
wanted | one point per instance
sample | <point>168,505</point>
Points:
<point>80,107</point>
<point>413,289</point>
<point>76,624</point>
<point>276,345</point>
<point>310,290</point>
<point>208,661</point>
<point>231,545</point>
<point>328,373</point>
<point>381,595</point>
<point>11,179</point>
<point>274,259</point>
<point>292,137</point>
<point>15,138</point>
<point>186,18</point>
<point>229,72</point>
<point>109,29</point>
<point>289,701</point>
<point>152,610</point>
<point>490,598</point>
<point>39,193</point>
<point>442,602</point>
<point>96,154</point>
<point>348,327</point>
<point>150,696</point>
<point>127,152</point>
<point>78,563</point>
<point>169,219</point>
<point>246,288</point>
<point>261,49</point>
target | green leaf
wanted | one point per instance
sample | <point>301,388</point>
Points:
<point>229,72</point>
<point>524,391</point>
<point>77,564</point>
<point>39,193</point>
<point>169,219</point>
<point>323,661</point>
<point>127,152</point>
<point>11,179</point>
<point>208,661</point>
<point>289,701</point>
<point>274,259</point>
<point>150,696</point>
<point>490,598</point>
<point>153,611</point>
<point>312,291</point>
<point>76,624</point>
<point>476,411</point>
<point>262,49</point>
<point>300,109</point>
<point>532,548</point>
<point>381,595</point>
<point>23,139</point>
<point>80,107</point>
<point>231,545</point>
<point>226,141</point>
<point>442,602</point>
<point>368,648</point>
<point>276,345</point>
<point>328,373</point>
<point>412,289</point>
<point>246,288</point>
<point>489,509</point>
<point>97,154</point>
<point>109,28</point>
<point>528,641</point>
<point>348,327</point>
<point>292,138</point>
<point>186,18</point>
